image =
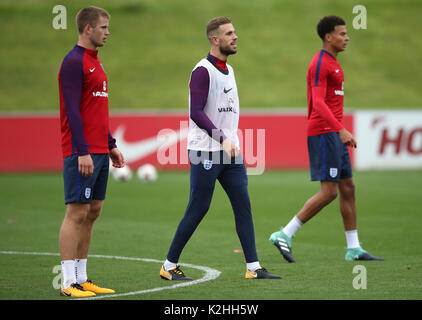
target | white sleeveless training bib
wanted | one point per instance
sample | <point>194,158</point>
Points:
<point>222,108</point>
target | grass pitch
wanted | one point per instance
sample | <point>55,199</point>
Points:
<point>154,44</point>
<point>139,220</point>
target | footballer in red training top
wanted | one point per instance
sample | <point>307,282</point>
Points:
<point>87,147</point>
<point>326,80</point>
<point>84,104</point>
<point>327,141</point>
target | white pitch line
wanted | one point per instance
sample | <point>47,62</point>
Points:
<point>210,274</point>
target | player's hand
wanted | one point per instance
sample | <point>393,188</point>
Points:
<point>86,165</point>
<point>230,148</point>
<point>117,159</point>
<point>347,138</point>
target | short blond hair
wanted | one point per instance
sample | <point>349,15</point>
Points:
<point>90,15</point>
<point>214,24</point>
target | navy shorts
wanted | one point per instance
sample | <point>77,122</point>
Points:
<point>80,189</point>
<point>329,158</point>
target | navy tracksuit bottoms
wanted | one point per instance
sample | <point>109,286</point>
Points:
<point>205,169</point>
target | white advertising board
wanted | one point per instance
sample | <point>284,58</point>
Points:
<point>388,139</point>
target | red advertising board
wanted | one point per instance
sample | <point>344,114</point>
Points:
<point>30,143</point>
<point>268,140</point>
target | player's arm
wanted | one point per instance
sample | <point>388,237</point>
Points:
<point>117,159</point>
<point>199,87</point>
<point>319,90</point>
<point>71,78</point>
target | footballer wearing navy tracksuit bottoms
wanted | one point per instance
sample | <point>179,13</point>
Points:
<point>213,118</point>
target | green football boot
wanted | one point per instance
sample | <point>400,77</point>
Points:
<point>283,244</point>
<point>358,254</point>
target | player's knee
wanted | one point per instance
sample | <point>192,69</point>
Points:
<point>76,214</point>
<point>351,189</point>
<point>75,218</point>
<point>331,195</point>
<point>93,215</point>
<point>201,199</point>
<point>329,191</point>
<point>79,218</point>
<point>348,189</point>
<point>94,212</point>
<point>202,208</point>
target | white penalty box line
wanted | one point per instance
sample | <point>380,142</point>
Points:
<point>210,273</point>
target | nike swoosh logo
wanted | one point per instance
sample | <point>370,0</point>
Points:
<point>252,274</point>
<point>225,91</point>
<point>134,151</point>
<point>67,294</point>
<point>92,70</point>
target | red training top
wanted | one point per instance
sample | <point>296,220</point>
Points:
<point>325,94</point>
<point>84,112</point>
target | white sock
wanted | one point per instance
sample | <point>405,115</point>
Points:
<point>80,270</point>
<point>68,273</point>
<point>252,266</point>
<point>169,265</point>
<point>352,239</point>
<point>292,227</point>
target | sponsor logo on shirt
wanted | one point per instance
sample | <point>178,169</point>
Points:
<point>101,93</point>
<point>229,108</point>
<point>340,92</point>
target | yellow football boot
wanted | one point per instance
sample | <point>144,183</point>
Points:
<point>173,274</point>
<point>90,286</point>
<point>260,273</point>
<point>75,290</point>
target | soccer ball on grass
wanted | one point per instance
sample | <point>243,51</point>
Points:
<point>121,174</point>
<point>147,173</point>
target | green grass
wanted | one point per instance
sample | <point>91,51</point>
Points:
<point>139,220</point>
<point>155,44</point>
<point>148,59</point>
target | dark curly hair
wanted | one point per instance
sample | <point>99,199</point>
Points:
<point>328,24</point>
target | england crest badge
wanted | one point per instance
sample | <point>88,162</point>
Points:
<point>207,164</point>
<point>333,172</point>
<point>87,193</point>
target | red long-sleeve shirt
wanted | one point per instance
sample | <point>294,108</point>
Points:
<point>84,114</point>
<point>325,94</point>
